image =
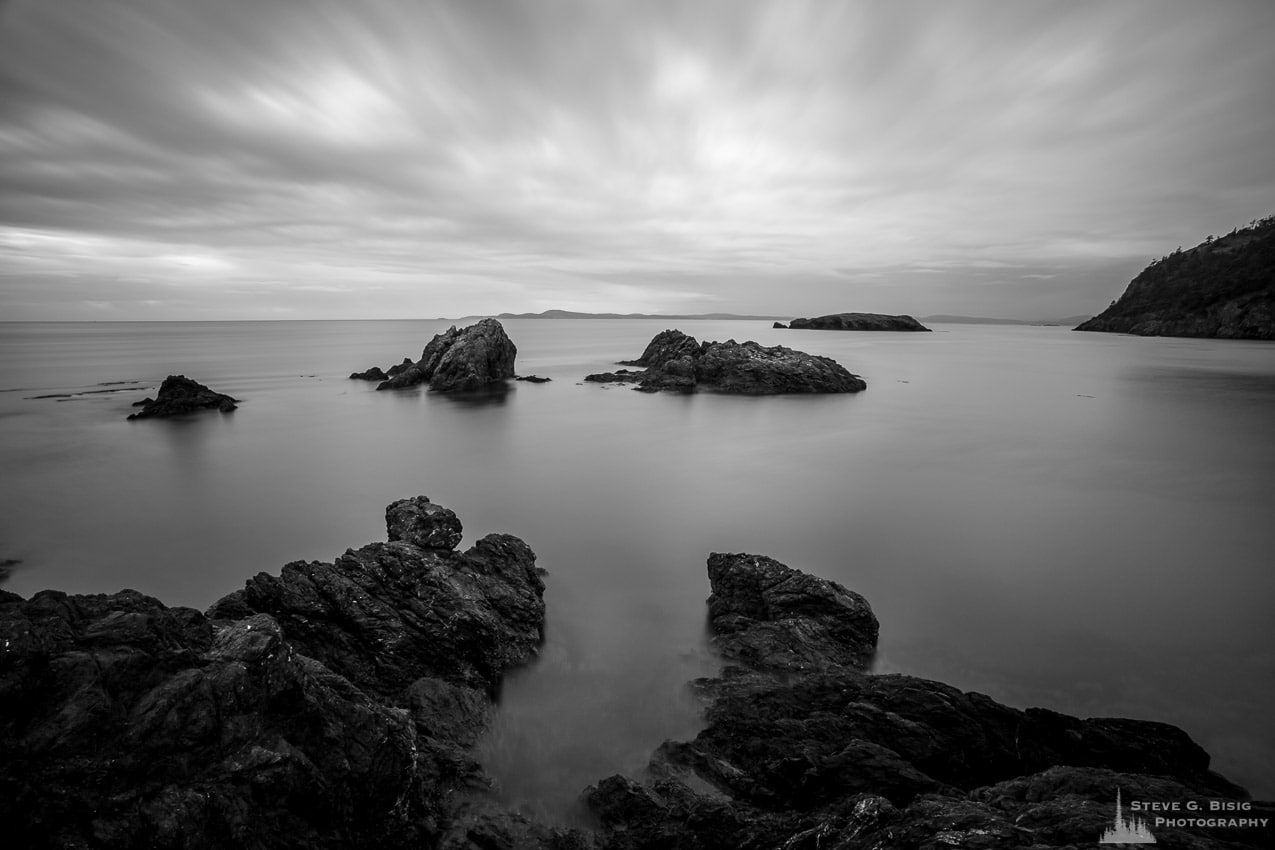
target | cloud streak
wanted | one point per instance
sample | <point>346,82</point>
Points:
<point>450,157</point>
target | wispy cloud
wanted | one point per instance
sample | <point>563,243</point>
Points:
<point>173,158</point>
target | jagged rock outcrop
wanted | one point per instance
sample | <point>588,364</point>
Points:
<point>179,395</point>
<point>677,362</point>
<point>804,749</point>
<point>457,360</point>
<point>1220,288</point>
<point>771,617</point>
<point>857,322</point>
<point>373,374</point>
<point>329,707</point>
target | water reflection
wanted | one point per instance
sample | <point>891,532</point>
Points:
<point>973,494</point>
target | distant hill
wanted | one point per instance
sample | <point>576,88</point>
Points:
<point>1220,288</point>
<point>570,314</point>
<point>985,320</point>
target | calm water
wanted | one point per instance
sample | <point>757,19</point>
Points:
<point>1079,521</point>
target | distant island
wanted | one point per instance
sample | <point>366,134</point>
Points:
<point>856,322</point>
<point>1223,287</point>
<point>943,319</point>
<point>571,314</point>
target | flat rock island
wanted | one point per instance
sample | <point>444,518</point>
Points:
<point>856,322</point>
<point>676,362</point>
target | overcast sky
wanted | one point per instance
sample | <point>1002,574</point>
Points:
<point>192,159</point>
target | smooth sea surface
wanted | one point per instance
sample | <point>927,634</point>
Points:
<point>1084,522</point>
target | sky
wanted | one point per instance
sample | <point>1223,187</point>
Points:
<point>281,159</point>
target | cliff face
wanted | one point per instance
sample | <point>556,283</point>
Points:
<point>1220,288</point>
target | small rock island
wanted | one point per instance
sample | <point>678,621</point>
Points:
<point>472,358</point>
<point>676,362</point>
<point>1222,288</point>
<point>856,322</point>
<point>179,395</point>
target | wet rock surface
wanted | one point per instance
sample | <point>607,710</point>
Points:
<point>179,395</point>
<point>677,362</point>
<point>456,360</point>
<point>335,705</point>
<point>805,749</point>
<point>856,322</point>
<point>330,706</point>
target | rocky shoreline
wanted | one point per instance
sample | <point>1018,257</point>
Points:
<point>330,706</point>
<point>337,705</point>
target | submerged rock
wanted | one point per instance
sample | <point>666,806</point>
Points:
<point>179,395</point>
<point>456,360</point>
<point>805,749</point>
<point>677,362</point>
<point>328,707</point>
<point>857,322</point>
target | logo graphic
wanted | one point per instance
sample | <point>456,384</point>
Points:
<point>1126,829</point>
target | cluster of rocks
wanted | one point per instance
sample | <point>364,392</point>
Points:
<point>467,359</point>
<point>855,322</point>
<point>179,395</point>
<point>677,362</point>
<point>333,705</point>
<point>336,705</point>
<point>805,749</point>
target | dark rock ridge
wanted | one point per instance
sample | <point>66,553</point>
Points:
<point>470,358</point>
<point>1220,288</point>
<point>179,395</point>
<point>677,362</point>
<point>330,706</point>
<point>804,749</point>
<point>856,322</point>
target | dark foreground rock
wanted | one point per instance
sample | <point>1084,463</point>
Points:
<point>467,359</point>
<point>1222,288</point>
<point>331,706</point>
<point>179,395</point>
<point>804,749</point>
<point>856,322</point>
<point>677,362</point>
